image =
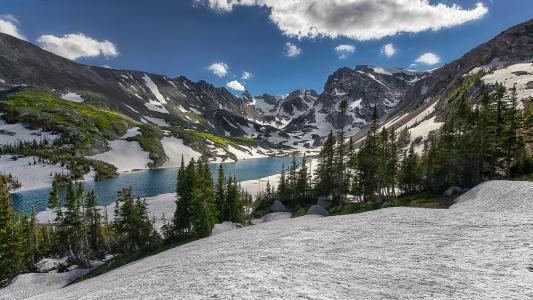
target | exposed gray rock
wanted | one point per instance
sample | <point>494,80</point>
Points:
<point>317,210</point>
<point>451,191</point>
<point>324,201</point>
<point>277,206</point>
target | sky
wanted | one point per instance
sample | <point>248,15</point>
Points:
<point>263,46</point>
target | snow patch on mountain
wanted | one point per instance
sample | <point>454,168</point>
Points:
<point>175,150</point>
<point>31,176</point>
<point>153,88</point>
<point>517,75</point>
<point>11,134</point>
<point>70,96</point>
<point>157,121</point>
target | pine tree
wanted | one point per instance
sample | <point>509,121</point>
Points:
<point>325,172</point>
<point>13,253</point>
<point>184,187</point>
<point>203,208</point>
<point>367,160</point>
<point>94,225</point>
<point>408,175</point>
<point>221,195</point>
<point>302,184</point>
<point>234,204</point>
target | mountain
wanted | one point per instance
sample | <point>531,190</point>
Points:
<point>199,105</point>
<point>299,119</point>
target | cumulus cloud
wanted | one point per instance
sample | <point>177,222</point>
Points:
<point>77,45</point>
<point>246,75</point>
<point>292,50</point>
<point>356,19</point>
<point>220,69</point>
<point>428,59</point>
<point>9,25</point>
<point>388,49</point>
<point>344,50</point>
<point>235,85</point>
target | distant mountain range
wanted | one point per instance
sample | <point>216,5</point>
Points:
<point>299,119</point>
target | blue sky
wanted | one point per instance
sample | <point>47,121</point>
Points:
<point>186,37</point>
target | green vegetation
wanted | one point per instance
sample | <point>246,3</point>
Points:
<point>425,200</point>
<point>80,125</point>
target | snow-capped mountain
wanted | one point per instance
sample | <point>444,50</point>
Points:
<point>299,119</point>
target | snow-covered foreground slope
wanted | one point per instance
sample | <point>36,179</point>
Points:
<point>410,253</point>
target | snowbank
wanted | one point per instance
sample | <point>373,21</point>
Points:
<point>272,217</point>
<point>225,227</point>
<point>13,133</point>
<point>393,253</point>
<point>158,206</point>
<point>258,185</point>
<point>517,75</point>
<point>175,149</point>
<point>34,284</point>
<point>499,196</point>
<point>72,97</point>
<point>124,155</point>
<point>29,175</point>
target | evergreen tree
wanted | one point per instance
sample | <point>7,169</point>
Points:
<point>184,189</point>
<point>13,242</point>
<point>408,175</point>
<point>325,172</point>
<point>131,225</point>
<point>368,162</point>
<point>221,194</point>
<point>94,225</point>
<point>203,207</point>
<point>234,205</point>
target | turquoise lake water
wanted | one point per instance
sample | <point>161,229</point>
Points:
<point>153,182</point>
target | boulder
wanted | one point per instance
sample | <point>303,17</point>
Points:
<point>317,210</point>
<point>277,206</point>
<point>324,201</point>
<point>453,190</point>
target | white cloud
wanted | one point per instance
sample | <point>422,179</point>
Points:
<point>292,50</point>
<point>77,45</point>
<point>356,19</point>
<point>246,75</point>
<point>8,25</point>
<point>344,50</point>
<point>428,59</point>
<point>219,69</point>
<point>235,85</point>
<point>388,49</point>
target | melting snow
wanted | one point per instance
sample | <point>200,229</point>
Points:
<point>157,121</point>
<point>29,175</point>
<point>175,149</point>
<point>153,88</point>
<point>72,97</point>
<point>392,253</point>
<point>519,75</point>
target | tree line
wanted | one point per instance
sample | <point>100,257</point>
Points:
<point>475,143</point>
